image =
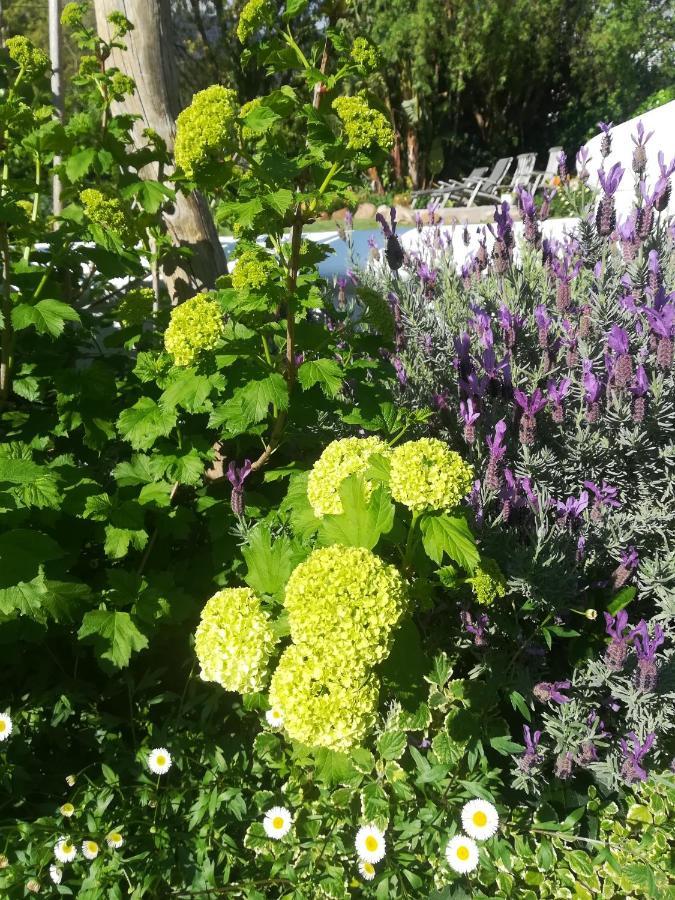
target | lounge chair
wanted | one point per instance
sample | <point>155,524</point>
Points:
<point>444,189</point>
<point>525,168</point>
<point>543,179</point>
<point>490,186</point>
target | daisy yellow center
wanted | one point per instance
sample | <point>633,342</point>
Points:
<point>369,868</point>
<point>479,818</point>
<point>276,715</point>
<point>371,843</point>
<point>67,848</point>
<point>3,726</point>
<point>115,837</point>
<point>161,760</point>
<point>463,853</point>
<point>278,822</point>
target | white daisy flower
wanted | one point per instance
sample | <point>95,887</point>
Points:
<point>5,726</point>
<point>67,810</point>
<point>64,850</point>
<point>366,870</point>
<point>159,761</point>
<point>277,822</point>
<point>55,874</point>
<point>115,840</point>
<point>275,718</point>
<point>370,844</point>
<point>89,849</point>
<point>70,780</point>
<point>480,819</point>
<point>462,853</point>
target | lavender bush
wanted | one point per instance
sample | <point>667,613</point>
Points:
<point>550,364</point>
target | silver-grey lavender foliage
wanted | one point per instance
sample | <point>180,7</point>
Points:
<point>555,377</point>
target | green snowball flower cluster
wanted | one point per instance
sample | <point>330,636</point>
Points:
<point>206,130</point>
<point>196,326</point>
<point>121,85</point>
<point>333,708</point>
<point>26,55</point>
<point>254,269</point>
<point>426,475</point>
<point>340,459</point>
<point>364,54</point>
<point>364,126</point>
<point>107,212</point>
<point>135,307</point>
<point>487,582</point>
<point>344,604</point>
<point>234,641</point>
<point>73,14</point>
<point>254,15</point>
<point>248,134</point>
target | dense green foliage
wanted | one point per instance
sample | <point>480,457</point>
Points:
<point>255,640</point>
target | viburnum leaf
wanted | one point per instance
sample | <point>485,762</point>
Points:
<point>114,634</point>
<point>257,396</point>
<point>363,520</point>
<point>269,562</point>
<point>144,422</point>
<point>325,372</point>
<point>48,316</point>
<point>452,535</point>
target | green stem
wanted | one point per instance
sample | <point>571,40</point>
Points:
<point>288,37</point>
<point>7,339</point>
<point>410,543</point>
<point>36,202</point>
<point>334,169</point>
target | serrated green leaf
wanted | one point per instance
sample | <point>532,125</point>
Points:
<point>269,562</point>
<point>78,164</point>
<point>392,744</point>
<point>257,397</point>
<point>188,390</point>
<point>363,520</point>
<point>48,316</point>
<point>451,535</point>
<point>114,634</point>
<point>324,372</point>
<point>144,422</point>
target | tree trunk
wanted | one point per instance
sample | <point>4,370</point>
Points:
<point>149,60</point>
<point>413,145</point>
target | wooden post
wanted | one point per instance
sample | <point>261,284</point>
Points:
<point>57,88</point>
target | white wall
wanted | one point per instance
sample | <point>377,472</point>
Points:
<point>662,122</point>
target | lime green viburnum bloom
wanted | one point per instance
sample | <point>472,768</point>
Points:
<point>136,306</point>
<point>107,212</point>
<point>487,582</point>
<point>26,55</point>
<point>340,459</point>
<point>426,475</point>
<point>364,126</point>
<point>254,15</point>
<point>364,54</point>
<point>344,604</point>
<point>247,133</point>
<point>254,269</point>
<point>206,130</point>
<point>196,326</point>
<point>324,706</point>
<point>73,14</point>
<point>234,641</point>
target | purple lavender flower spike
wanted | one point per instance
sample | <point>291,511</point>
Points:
<point>640,153</point>
<point>628,236</point>
<point>530,406</point>
<point>545,208</point>
<point>639,389</point>
<point>582,165</point>
<point>604,497</point>
<point>504,240</point>
<point>572,508</point>
<point>617,649</point>
<point>564,765</point>
<point>543,321</point>
<point>400,371</point>
<point>237,475</point>
<point>627,565</point>
<point>605,219</point>
<point>662,324</point>
<point>529,211</point>
<point>477,628</point>
<point>531,757</point>
<point>563,171</point>
<point>556,394</point>
<point>646,676</point>
<point>497,451</point>
<point>606,141</point>
<point>592,391</point>
<point>469,416</point>
<point>547,691</point>
<point>632,770</point>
